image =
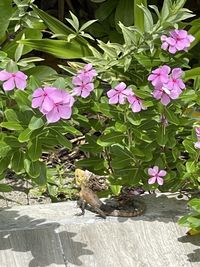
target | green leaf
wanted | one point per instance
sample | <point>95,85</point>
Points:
<point>35,123</point>
<point>42,178</point>
<point>19,50</point>
<point>34,170</point>
<point>10,47</point>
<point>189,146</point>
<point>148,19</point>
<point>139,14</point>
<point>74,21</point>
<point>4,162</point>
<point>22,100</point>
<point>64,141</point>
<point>124,12</point>
<point>191,166</point>
<point>58,48</point>
<point>11,115</point>
<point>12,141</point>
<point>61,139</point>
<point>55,25</point>
<point>162,136</point>
<point>91,164</point>
<point>5,14</point>
<point>195,204</point>
<point>115,189</point>
<point>17,161</point>
<point>192,74</point>
<point>41,72</point>
<point>110,138</point>
<point>5,188</point>
<point>25,135</point>
<point>121,156</point>
<point>5,148</point>
<point>166,9</point>
<point>87,24</point>
<point>35,149</point>
<point>12,125</point>
<point>105,9</point>
<point>91,145</point>
<point>171,117</point>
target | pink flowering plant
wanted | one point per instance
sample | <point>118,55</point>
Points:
<point>133,103</point>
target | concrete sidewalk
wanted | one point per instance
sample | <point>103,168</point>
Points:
<point>51,235</point>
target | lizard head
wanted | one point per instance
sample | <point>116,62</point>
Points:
<point>79,177</point>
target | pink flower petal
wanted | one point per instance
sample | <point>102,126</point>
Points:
<point>77,91</point>
<point>152,180</point>
<point>197,145</point>
<point>20,84</point>
<point>176,73</point>
<point>111,93</point>
<point>37,102</point>
<point>164,46</point>
<point>120,87</point>
<point>153,171</point>
<point>114,100</point>
<point>65,111</point>
<point>136,107</point>
<point>53,116</point>
<point>160,180</point>
<point>162,173</point>
<point>9,85</point>
<point>49,90</point>
<point>180,45</point>
<point>38,92</point>
<point>4,75</point>
<point>76,80</point>
<point>85,93</point>
<point>172,49</point>
<point>163,37</point>
<point>171,41</point>
<point>165,99</point>
<point>47,105</point>
<point>21,75</point>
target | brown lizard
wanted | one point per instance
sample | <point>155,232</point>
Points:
<point>90,184</point>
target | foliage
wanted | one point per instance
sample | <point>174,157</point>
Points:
<point>119,141</point>
<point>192,220</point>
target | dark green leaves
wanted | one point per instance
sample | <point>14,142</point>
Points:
<point>110,138</point>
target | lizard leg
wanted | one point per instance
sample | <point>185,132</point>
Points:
<point>81,204</point>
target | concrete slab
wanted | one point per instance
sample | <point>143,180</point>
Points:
<point>51,235</point>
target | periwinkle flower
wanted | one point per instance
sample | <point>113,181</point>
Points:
<point>156,175</point>
<point>13,80</point>
<point>177,41</point>
<point>119,94</point>
<point>54,103</point>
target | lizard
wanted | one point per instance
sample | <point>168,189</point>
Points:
<point>90,184</point>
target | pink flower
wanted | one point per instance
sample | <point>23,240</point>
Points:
<point>197,145</point>
<point>156,175</point>
<point>62,107</point>
<point>89,71</point>
<point>54,103</point>
<point>162,93</point>
<point>13,80</point>
<point>42,99</point>
<point>159,75</point>
<point>175,84</point>
<point>168,88</point>
<point>177,41</point>
<point>119,94</point>
<point>84,86</point>
<point>136,103</point>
